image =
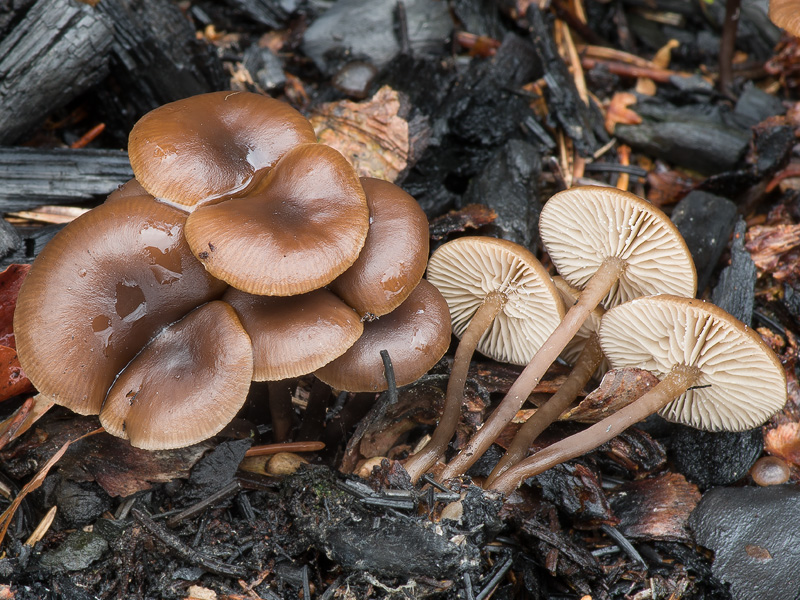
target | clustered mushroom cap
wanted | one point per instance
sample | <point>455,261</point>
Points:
<point>466,269</point>
<point>295,231</point>
<point>741,383</point>
<point>394,256</point>
<point>200,148</point>
<point>786,15</point>
<point>99,291</point>
<point>293,336</point>
<point>186,384</point>
<point>582,226</point>
<point>416,335</point>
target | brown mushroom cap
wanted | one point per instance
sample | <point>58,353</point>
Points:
<point>205,146</point>
<point>297,230</point>
<point>786,15</point>
<point>295,335</point>
<point>466,269</point>
<point>741,380</point>
<point>99,291</point>
<point>394,256</point>
<point>582,226</point>
<point>416,335</point>
<point>185,385</point>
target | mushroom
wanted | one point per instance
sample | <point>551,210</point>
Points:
<point>99,291</point>
<point>296,335</point>
<point>716,374</point>
<point>185,385</point>
<point>394,256</point>
<point>502,302</point>
<point>297,229</point>
<point>203,147</point>
<point>770,470</point>
<point>416,335</point>
<point>613,245</point>
<point>785,14</point>
<point>584,352</point>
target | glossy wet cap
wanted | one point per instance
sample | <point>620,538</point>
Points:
<point>205,146</point>
<point>742,383</point>
<point>394,256</point>
<point>466,269</point>
<point>584,225</point>
<point>185,385</point>
<point>416,335</point>
<point>296,231</point>
<point>99,291</point>
<point>295,335</point>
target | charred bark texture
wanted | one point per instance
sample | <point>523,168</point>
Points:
<point>55,52</point>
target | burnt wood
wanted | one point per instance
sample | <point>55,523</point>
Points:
<point>56,52</point>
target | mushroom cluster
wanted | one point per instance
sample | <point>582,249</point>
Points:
<point>628,283</point>
<point>243,250</point>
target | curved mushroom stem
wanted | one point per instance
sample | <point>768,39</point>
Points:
<point>676,382</point>
<point>595,290</point>
<point>418,465</point>
<point>589,359</point>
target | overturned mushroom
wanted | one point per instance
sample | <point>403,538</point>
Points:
<point>716,374</point>
<point>502,302</point>
<point>615,246</point>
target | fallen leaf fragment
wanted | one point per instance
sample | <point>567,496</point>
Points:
<point>472,216</point>
<point>10,282</point>
<point>618,111</point>
<point>21,419</point>
<point>618,388</point>
<point>373,135</point>
<point>775,250</point>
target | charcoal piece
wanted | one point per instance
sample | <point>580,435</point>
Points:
<point>509,186</point>
<point>10,240</point>
<point>264,67</point>
<point>753,533</point>
<point>77,552</point>
<point>480,510</point>
<point>156,58</point>
<point>30,177</point>
<point>563,99</point>
<point>575,489</point>
<point>706,222</point>
<point>773,147</point>
<point>735,290</point>
<point>55,53</point>
<point>216,470</point>
<point>78,504</point>
<point>703,145</point>
<point>33,240</point>
<point>361,29</point>
<point>480,17</point>
<point>754,105</point>
<point>270,13</point>
<point>710,459</point>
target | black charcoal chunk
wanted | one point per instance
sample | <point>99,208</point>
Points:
<point>10,240</point>
<point>264,67</point>
<point>364,29</point>
<point>55,53</point>
<point>702,144</point>
<point>216,470</point>
<point>31,177</point>
<point>270,13</point>
<point>509,186</point>
<point>77,552</point>
<point>754,105</point>
<point>709,459</point>
<point>33,240</point>
<point>735,290</point>
<point>706,222</point>
<point>753,533</point>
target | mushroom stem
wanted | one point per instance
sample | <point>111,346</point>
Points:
<point>598,286</point>
<point>674,383</point>
<point>588,361</point>
<point>418,465</point>
<point>280,408</point>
